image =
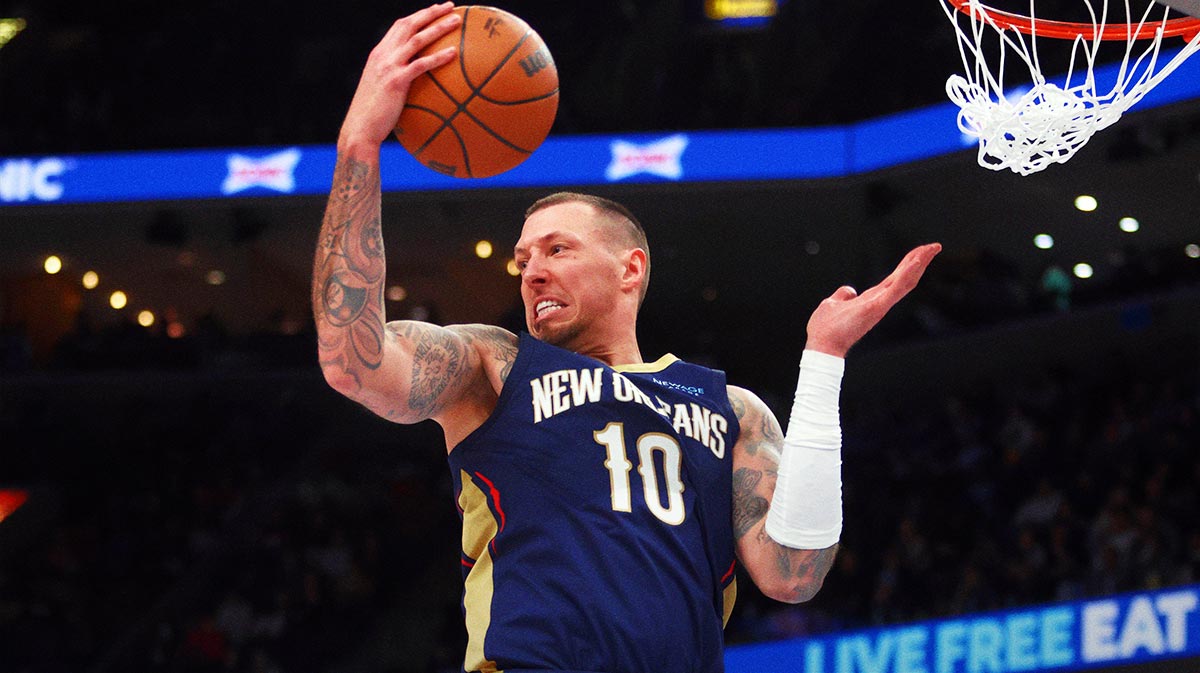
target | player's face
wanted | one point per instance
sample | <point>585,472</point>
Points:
<point>570,274</point>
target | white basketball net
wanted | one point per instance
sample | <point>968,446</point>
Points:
<point>1027,130</point>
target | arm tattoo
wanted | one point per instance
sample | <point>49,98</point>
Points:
<point>506,352</point>
<point>809,566</point>
<point>795,574</point>
<point>771,440</point>
<point>739,406</point>
<point>437,360</point>
<point>766,437</point>
<point>349,273</point>
<point>772,433</point>
<point>499,342</point>
<point>748,507</point>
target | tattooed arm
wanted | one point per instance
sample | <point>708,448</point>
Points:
<point>785,574</point>
<point>404,371</point>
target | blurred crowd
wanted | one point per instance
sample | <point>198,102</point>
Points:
<point>1069,485</point>
<point>194,520</point>
<point>178,523</point>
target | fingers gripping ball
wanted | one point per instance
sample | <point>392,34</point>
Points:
<point>489,109</point>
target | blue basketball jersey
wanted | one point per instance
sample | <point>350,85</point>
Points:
<point>597,518</point>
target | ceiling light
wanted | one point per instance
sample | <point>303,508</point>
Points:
<point>1129,224</point>
<point>1083,270</point>
<point>9,29</point>
<point>1043,241</point>
<point>52,265</point>
<point>1086,203</point>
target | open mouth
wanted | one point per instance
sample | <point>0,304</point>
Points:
<point>546,307</point>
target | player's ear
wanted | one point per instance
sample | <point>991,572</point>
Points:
<point>635,268</point>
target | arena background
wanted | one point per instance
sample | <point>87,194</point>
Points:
<point>197,499</point>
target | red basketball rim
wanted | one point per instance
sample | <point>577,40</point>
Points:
<point>1186,27</point>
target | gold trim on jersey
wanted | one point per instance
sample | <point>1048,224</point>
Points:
<point>728,599</point>
<point>479,529</point>
<point>648,367</point>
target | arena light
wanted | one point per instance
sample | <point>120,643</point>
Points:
<point>11,500</point>
<point>90,280</point>
<point>1043,241</point>
<point>723,10</point>
<point>512,268</point>
<point>9,29</point>
<point>52,265</point>
<point>1084,270</point>
<point>145,318</point>
<point>1192,250</point>
<point>483,249</point>
<point>1086,203</point>
<point>1129,224</point>
<point>397,293</point>
<point>118,300</point>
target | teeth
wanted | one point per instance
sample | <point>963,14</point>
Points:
<point>547,305</point>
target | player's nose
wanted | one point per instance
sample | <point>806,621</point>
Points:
<point>534,272</point>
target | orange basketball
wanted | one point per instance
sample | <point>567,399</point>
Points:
<point>487,111</point>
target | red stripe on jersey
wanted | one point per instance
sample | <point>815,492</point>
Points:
<point>729,572</point>
<point>495,493</point>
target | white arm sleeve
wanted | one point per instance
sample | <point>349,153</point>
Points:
<point>806,510</point>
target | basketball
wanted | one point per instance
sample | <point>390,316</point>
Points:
<point>487,111</point>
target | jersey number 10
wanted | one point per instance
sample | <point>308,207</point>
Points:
<point>612,438</point>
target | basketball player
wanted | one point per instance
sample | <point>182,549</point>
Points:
<point>604,498</point>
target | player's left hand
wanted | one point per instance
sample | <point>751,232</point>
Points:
<point>845,316</point>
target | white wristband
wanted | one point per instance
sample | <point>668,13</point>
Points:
<point>806,510</point>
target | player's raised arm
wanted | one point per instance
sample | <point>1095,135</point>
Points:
<point>403,371</point>
<point>787,490</point>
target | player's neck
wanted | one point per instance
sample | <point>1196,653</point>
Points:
<point>617,357</point>
<point>621,350</point>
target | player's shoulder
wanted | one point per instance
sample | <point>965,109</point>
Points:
<point>485,335</point>
<point>759,433</point>
<point>744,401</point>
<point>496,345</point>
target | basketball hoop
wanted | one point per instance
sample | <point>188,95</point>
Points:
<point>1026,130</point>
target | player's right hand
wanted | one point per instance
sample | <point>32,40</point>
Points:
<point>390,70</point>
<point>846,316</point>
